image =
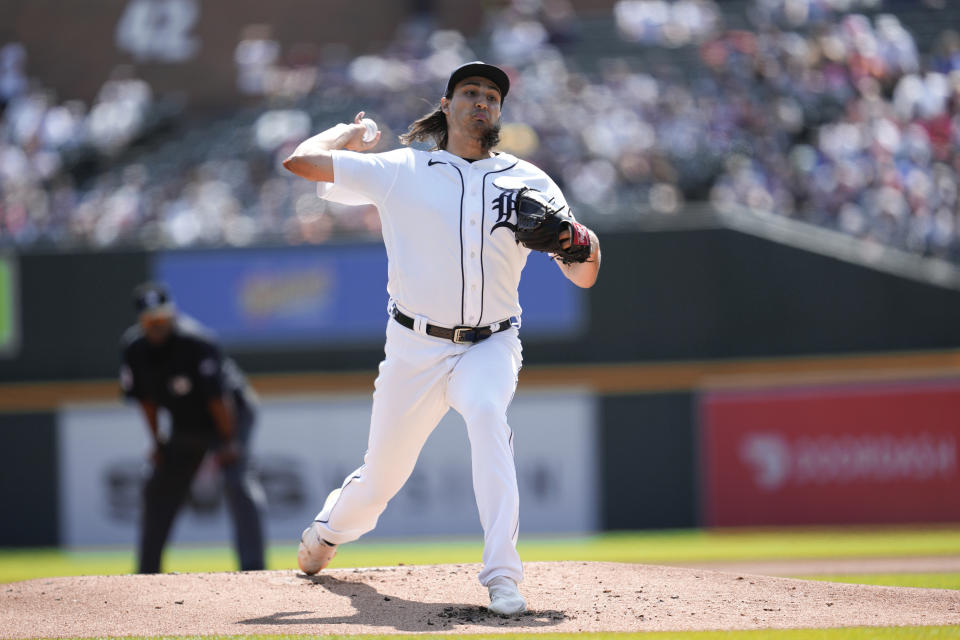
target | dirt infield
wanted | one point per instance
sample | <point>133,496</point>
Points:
<point>562,596</point>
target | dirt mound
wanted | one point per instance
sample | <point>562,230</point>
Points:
<point>562,597</point>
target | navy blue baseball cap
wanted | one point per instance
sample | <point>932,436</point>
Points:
<point>496,75</point>
<point>153,298</point>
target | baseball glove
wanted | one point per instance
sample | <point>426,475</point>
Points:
<point>539,223</point>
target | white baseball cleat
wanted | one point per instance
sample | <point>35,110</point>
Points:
<point>505,598</point>
<point>314,553</point>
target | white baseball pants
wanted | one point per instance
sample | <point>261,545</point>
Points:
<point>420,378</point>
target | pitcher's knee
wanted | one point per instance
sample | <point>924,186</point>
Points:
<point>484,412</point>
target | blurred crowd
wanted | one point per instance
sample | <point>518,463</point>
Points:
<point>668,24</point>
<point>42,140</point>
<point>860,133</point>
<point>826,111</point>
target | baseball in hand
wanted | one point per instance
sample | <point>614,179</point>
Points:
<point>371,131</point>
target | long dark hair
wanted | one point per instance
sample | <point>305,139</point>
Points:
<point>429,127</point>
<point>433,127</point>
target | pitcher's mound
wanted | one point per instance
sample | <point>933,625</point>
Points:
<point>561,596</point>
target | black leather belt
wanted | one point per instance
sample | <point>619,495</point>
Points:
<point>460,335</point>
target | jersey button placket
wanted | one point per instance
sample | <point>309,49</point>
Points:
<point>474,270</point>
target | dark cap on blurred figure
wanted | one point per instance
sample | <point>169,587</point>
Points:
<point>496,75</point>
<point>152,298</point>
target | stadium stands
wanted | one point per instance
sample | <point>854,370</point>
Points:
<point>843,113</point>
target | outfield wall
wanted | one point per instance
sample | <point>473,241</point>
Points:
<point>678,320</point>
<point>304,447</point>
<point>29,479</point>
<point>707,294</point>
<point>853,453</point>
<point>861,448</point>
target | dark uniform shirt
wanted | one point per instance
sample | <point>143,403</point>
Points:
<point>181,375</point>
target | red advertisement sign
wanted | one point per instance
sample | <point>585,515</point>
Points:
<point>876,453</point>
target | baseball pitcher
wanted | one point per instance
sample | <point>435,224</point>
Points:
<point>458,223</point>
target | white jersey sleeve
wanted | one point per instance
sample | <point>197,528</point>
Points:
<point>370,176</point>
<point>335,193</point>
<point>554,193</point>
<point>530,176</point>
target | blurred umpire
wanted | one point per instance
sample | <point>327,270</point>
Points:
<point>171,361</point>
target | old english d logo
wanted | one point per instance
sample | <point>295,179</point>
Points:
<point>503,206</point>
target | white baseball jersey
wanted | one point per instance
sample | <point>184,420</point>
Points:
<point>447,226</point>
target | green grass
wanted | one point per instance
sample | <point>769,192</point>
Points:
<point>927,580</point>
<point>850,633</point>
<point>658,547</point>
<point>676,546</point>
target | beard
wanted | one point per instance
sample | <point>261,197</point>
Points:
<point>490,137</point>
